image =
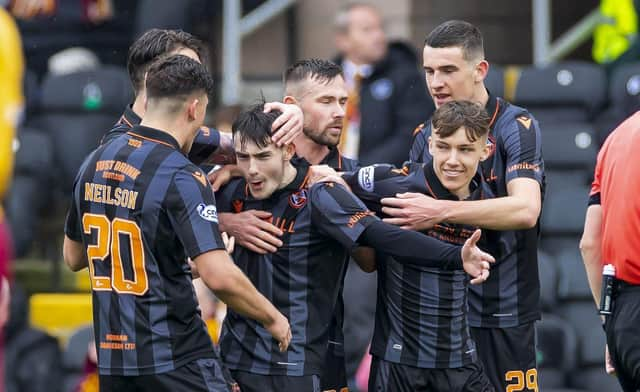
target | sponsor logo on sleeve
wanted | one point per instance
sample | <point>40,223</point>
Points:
<point>366,177</point>
<point>208,212</point>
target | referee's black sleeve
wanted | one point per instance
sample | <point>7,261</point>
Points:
<point>410,247</point>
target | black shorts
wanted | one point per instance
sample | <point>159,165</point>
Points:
<point>622,336</point>
<point>387,376</point>
<point>204,375</point>
<point>334,375</point>
<point>508,355</point>
<point>251,382</point>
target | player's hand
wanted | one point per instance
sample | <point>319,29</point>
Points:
<point>229,242</point>
<point>474,261</point>
<point>252,231</point>
<point>325,173</point>
<point>608,362</point>
<point>221,177</point>
<point>280,329</point>
<point>288,125</point>
<point>413,211</point>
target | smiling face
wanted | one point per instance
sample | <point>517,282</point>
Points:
<point>451,77</point>
<point>456,159</point>
<point>323,105</point>
<point>264,168</point>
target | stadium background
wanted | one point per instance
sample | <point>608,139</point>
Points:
<point>576,101</point>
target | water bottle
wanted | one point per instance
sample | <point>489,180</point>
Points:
<point>608,277</point>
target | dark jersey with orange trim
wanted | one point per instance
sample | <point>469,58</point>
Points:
<point>511,295</point>
<point>338,162</point>
<point>321,224</point>
<point>141,208</point>
<point>421,313</point>
<point>204,146</point>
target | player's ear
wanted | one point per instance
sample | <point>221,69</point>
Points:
<point>481,71</point>
<point>289,151</point>
<point>290,100</point>
<point>431,143</point>
<point>486,149</point>
<point>192,109</point>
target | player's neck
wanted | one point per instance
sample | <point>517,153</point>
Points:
<point>173,127</point>
<point>312,152</point>
<point>289,175</point>
<point>138,104</point>
<point>481,95</point>
<point>462,193</point>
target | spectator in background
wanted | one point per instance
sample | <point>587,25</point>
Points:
<point>387,95</point>
<point>612,236</point>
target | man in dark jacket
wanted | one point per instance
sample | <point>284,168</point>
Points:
<point>387,91</point>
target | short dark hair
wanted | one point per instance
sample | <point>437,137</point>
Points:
<point>319,70</point>
<point>177,76</point>
<point>254,125</point>
<point>457,33</point>
<point>154,44</point>
<point>451,116</point>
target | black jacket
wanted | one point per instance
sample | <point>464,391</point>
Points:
<point>393,100</point>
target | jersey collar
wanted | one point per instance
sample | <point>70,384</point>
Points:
<point>129,117</point>
<point>154,135</point>
<point>493,107</point>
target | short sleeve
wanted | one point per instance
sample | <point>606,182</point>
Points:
<point>72,227</point>
<point>338,213</point>
<point>594,194</point>
<point>204,145</point>
<point>193,213</point>
<point>522,144</point>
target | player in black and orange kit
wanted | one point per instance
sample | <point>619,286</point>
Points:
<point>322,224</point>
<point>209,145</point>
<point>139,209</point>
<point>318,88</point>
<point>503,310</point>
<point>421,340</point>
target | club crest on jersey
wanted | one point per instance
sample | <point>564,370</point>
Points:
<point>298,199</point>
<point>365,178</point>
<point>208,212</point>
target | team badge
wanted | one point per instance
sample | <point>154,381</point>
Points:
<point>208,212</point>
<point>298,199</point>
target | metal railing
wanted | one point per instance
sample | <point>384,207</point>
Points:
<point>235,28</point>
<point>545,51</point>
